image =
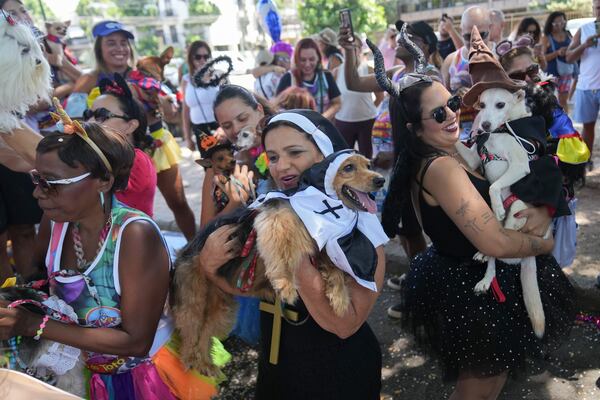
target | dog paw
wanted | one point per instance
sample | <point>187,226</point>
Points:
<point>482,287</point>
<point>480,257</point>
<point>287,291</point>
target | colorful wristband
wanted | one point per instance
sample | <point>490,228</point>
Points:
<point>40,330</point>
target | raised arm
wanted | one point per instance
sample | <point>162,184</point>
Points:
<point>451,188</point>
<point>311,288</point>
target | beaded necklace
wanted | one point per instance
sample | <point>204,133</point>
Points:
<point>82,263</point>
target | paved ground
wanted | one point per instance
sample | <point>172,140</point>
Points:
<point>409,374</point>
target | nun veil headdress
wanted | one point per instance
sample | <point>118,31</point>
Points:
<point>324,134</point>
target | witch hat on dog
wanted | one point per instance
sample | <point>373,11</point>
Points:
<point>486,72</point>
<point>208,145</point>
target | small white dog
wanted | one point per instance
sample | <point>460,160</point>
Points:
<point>25,76</point>
<point>505,161</point>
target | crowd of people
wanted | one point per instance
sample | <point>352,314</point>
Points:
<point>86,176</point>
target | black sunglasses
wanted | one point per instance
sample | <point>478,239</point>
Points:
<point>467,36</point>
<point>532,72</point>
<point>199,57</point>
<point>101,115</point>
<point>439,113</point>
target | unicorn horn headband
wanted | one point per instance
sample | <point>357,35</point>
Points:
<point>74,127</point>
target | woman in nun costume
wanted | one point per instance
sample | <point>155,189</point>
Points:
<point>306,351</point>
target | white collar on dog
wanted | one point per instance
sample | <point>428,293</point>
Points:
<point>321,139</point>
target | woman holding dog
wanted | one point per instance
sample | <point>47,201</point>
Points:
<point>478,339</point>
<point>109,263</point>
<point>114,54</point>
<point>321,355</point>
<point>237,110</point>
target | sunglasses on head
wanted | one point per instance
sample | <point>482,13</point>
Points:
<point>439,113</point>
<point>199,57</point>
<point>101,115</point>
<point>51,186</point>
<point>467,36</point>
<point>532,72</point>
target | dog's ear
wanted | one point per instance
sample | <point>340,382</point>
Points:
<point>167,55</point>
<point>67,23</point>
<point>519,95</point>
<point>204,162</point>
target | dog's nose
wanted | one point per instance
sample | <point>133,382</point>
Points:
<point>486,125</point>
<point>378,181</point>
<point>38,61</point>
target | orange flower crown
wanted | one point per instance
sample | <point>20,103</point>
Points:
<point>71,127</point>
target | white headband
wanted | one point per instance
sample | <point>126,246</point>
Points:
<point>321,139</point>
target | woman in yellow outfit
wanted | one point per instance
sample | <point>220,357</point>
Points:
<point>114,54</point>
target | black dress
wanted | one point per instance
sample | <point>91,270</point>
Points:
<point>471,333</point>
<point>317,365</point>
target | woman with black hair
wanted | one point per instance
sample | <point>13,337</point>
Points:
<point>321,356</point>
<point>555,42</point>
<point>531,27</point>
<point>478,339</point>
<point>117,109</point>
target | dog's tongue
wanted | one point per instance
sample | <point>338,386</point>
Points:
<point>366,201</point>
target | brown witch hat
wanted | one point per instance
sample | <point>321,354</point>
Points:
<point>486,72</point>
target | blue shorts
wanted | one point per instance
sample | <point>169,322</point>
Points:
<point>587,104</point>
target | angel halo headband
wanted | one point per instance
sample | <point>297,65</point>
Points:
<point>71,127</point>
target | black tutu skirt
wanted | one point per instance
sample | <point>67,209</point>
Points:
<point>476,333</point>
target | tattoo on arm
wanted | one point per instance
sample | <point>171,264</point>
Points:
<point>487,217</point>
<point>472,223</point>
<point>464,207</point>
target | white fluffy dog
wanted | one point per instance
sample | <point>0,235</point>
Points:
<point>24,72</point>
<point>505,162</point>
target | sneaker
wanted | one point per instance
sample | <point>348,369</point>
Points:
<point>395,312</point>
<point>395,282</point>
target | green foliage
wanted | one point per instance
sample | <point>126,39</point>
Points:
<point>148,43</point>
<point>203,7</point>
<point>570,5</point>
<point>367,15</point>
<point>33,6</point>
<point>116,9</point>
<point>95,8</point>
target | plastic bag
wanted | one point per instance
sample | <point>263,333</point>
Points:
<point>565,237</point>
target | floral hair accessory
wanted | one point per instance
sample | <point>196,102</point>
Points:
<point>506,45</point>
<point>74,127</point>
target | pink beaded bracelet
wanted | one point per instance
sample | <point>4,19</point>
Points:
<point>40,330</point>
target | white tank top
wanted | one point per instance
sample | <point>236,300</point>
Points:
<point>356,106</point>
<point>200,101</point>
<point>589,73</point>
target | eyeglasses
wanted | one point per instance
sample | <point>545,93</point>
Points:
<point>282,59</point>
<point>559,23</point>
<point>532,72</point>
<point>439,113</point>
<point>50,186</point>
<point>467,36</point>
<point>199,57</point>
<point>101,115</point>
<point>532,33</point>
